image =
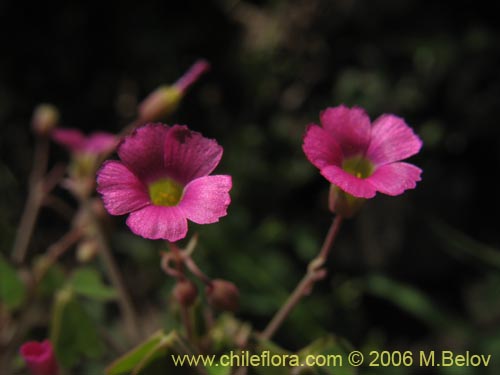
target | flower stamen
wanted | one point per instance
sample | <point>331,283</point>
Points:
<point>165,192</point>
<point>358,166</point>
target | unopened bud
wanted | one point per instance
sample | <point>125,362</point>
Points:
<point>192,75</point>
<point>87,250</point>
<point>160,103</point>
<point>45,118</point>
<point>342,203</point>
<point>223,295</point>
<point>185,292</point>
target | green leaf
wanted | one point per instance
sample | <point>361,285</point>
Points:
<point>87,282</point>
<point>218,370</point>
<point>132,358</point>
<point>73,333</point>
<point>409,299</point>
<point>263,346</point>
<point>12,289</point>
<point>52,281</point>
<point>463,246</point>
<point>138,360</point>
<point>333,351</point>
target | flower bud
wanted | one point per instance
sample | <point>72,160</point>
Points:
<point>160,103</point>
<point>45,118</point>
<point>87,250</point>
<point>185,292</point>
<point>223,295</point>
<point>39,357</point>
<point>192,75</point>
<point>342,203</point>
<point>165,99</point>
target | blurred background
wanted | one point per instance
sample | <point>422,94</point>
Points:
<point>418,271</point>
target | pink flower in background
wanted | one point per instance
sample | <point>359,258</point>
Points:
<point>76,142</point>
<point>361,158</point>
<point>39,357</point>
<point>163,179</point>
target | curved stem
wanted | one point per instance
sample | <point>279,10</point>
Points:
<point>315,272</point>
<point>124,301</point>
<point>34,201</point>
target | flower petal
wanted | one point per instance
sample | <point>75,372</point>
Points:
<point>121,191</point>
<point>100,142</point>
<point>394,179</point>
<point>189,155</point>
<point>353,185</point>
<point>206,199</point>
<point>158,222</point>
<point>392,140</point>
<point>320,147</point>
<point>350,127</point>
<point>142,152</point>
<point>72,139</point>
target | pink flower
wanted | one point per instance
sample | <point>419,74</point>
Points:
<point>76,142</point>
<point>163,179</point>
<point>361,158</point>
<point>39,357</point>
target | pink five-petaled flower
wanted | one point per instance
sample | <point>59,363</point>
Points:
<point>163,179</point>
<point>361,158</point>
<point>39,357</point>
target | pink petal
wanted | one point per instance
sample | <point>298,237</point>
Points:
<point>395,178</point>
<point>100,142</point>
<point>121,191</point>
<point>189,155</point>
<point>142,152</point>
<point>158,222</point>
<point>353,185</point>
<point>392,140</point>
<point>206,199</point>
<point>350,127</point>
<point>72,139</point>
<point>320,147</point>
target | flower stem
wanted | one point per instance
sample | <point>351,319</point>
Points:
<point>56,250</point>
<point>34,201</point>
<point>124,301</point>
<point>315,272</point>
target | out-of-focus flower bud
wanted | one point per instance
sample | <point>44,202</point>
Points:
<point>45,118</point>
<point>39,357</point>
<point>160,103</point>
<point>223,295</point>
<point>87,250</point>
<point>165,99</point>
<point>185,292</point>
<point>342,203</point>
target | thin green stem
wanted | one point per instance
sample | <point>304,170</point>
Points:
<point>124,301</point>
<point>34,201</point>
<point>315,272</point>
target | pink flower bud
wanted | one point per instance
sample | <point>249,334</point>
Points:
<point>39,358</point>
<point>342,203</point>
<point>192,75</point>
<point>223,295</point>
<point>160,103</point>
<point>45,118</point>
<point>185,292</point>
<point>165,99</point>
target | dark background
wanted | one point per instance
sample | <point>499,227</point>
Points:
<point>420,270</point>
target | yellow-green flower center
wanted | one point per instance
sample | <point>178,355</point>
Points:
<point>165,192</point>
<point>358,166</point>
